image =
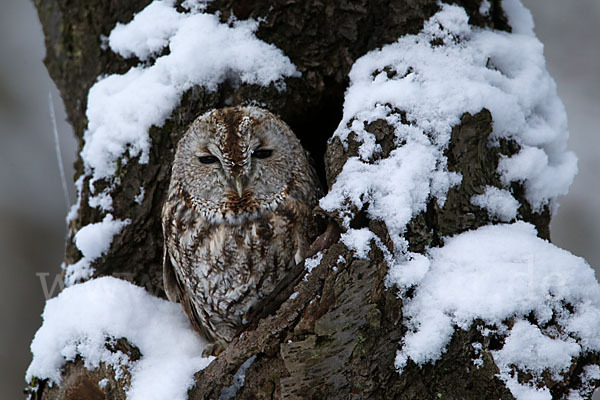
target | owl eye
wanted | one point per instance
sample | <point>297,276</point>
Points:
<point>262,153</point>
<point>208,159</point>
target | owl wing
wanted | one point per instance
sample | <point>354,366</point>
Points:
<point>176,292</point>
<point>172,285</point>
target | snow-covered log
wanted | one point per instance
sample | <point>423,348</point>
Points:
<point>443,144</point>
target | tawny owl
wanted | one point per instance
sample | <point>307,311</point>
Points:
<point>238,216</point>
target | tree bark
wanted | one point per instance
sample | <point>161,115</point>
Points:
<point>338,338</point>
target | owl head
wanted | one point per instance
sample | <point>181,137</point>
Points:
<point>236,163</point>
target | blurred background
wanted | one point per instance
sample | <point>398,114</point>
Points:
<point>32,202</point>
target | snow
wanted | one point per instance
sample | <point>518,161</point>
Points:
<point>83,317</point>
<point>139,198</point>
<point>74,210</point>
<point>499,203</point>
<point>202,51</point>
<point>102,201</point>
<point>312,262</point>
<point>121,108</point>
<point>78,272</point>
<point>590,373</point>
<point>484,8</point>
<point>435,86</point>
<point>528,392</point>
<point>359,241</point>
<point>533,166</point>
<point>148,33</point>
<point>496,273</point>
<point>531,351</point>
<point>195,5</point>
<point>493,274</point>
<point>93,241</point>
<point>478,362</point>
<point>500,272</point>
<point>519,18</point>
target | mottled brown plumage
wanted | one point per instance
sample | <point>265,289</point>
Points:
<point>238,216</point>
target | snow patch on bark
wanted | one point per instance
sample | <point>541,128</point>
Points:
<point>122,107</point>
<point>202,51</point>
<point>499,203</point>
<point>503,272</point>
<point>83,318</point>
<point>93,241</point>
<point>421,86</point>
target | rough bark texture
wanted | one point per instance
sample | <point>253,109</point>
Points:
<point>338,338</point>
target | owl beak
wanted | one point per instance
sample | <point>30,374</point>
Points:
<point>239,185</point>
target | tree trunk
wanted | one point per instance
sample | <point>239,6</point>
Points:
<point>338,337</point>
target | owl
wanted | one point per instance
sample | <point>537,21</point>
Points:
<point>237,218</point>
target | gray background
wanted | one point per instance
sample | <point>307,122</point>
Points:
<point>32,205</point>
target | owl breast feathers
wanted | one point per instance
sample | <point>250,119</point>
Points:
<point>238,216</point>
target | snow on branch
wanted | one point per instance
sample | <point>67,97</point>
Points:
<point>86,317</point>
<point>501,273</point>
<point>202,51</point>
<point>83,318</point>
<point>122,108</point>
<point>449,69</point>
<point>421,86</point>
<point>93,240</point>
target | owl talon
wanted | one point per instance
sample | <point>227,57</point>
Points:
<point>214,349</point>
